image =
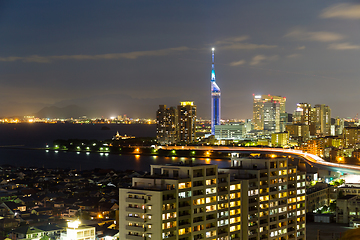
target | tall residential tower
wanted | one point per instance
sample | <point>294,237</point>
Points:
<point>215,98</point>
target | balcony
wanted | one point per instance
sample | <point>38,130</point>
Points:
<point>136,210</point>
<point>135,200</point>
<point>170,237</point>
<point>134,237</point>
<point>135,219</point>
<point>135,228</point>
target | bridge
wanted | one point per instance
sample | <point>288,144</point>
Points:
<point>311,159</point>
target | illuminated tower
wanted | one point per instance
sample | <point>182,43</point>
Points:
<point>215,97</point>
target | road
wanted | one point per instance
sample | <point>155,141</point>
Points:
<point>311,159</point>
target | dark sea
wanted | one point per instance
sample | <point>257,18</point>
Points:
<point>37,135</point>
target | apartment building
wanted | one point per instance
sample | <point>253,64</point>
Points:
<point>276,206</point>
<point>255,198</point>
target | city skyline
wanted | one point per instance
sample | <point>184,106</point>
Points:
<point>129,57</point>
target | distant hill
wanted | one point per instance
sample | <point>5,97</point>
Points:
<point>71,111</point>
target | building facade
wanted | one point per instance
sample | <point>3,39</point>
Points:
<point>166,125</point>
<point>298,131</point>
<point>279,139</point>
<point>255,198</point>
<point>276,197</point>
<point>187,122</point>
<point>267,110</point>
<point>230,131</point>
<point>175,125</point>
<point>351,137</point>
<point>322,118</point>
<point>302,114</point>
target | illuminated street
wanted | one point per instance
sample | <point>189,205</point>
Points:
<point>311,159</point>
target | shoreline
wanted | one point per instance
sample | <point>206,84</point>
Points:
<point>20,147</point>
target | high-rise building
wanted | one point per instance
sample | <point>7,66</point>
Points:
<point>215,97</point>
<point>271,116</point>
<point>302,114</point>
<point>176,124</point>
<point>339,126</point>
<point>167,125</point>
<point>322,119</point>
<point>256,198</point>
<point>267,110</point>
<point>273,197</point>
<point>187,122</point>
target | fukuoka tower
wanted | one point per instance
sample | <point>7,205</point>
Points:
<point>215,97</point>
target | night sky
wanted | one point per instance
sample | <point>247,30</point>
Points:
<point>129,56</point>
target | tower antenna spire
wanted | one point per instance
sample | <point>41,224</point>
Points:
<point>215,96</point>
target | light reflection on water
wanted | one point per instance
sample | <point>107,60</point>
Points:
<point>87,160</point>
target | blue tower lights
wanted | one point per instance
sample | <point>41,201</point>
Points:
<point>215,97</point>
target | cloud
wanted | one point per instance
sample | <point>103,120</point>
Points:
<point>343,46</point>
<point>109,56</point>
<point>295,55</point>
<point>237,43</point>
<point>303,35</point>
<point>300,48</point>
<point>248,46</point>
<point>342,10</point>
<point>258,59</point>
<point>241,62</point>
<point>232,40</point>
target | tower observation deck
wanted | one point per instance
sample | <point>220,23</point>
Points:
<point>215,97</point>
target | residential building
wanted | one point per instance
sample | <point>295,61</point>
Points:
<point>77,231</point>
<point>166,125</point>
<point>351,137</point>
<point>347,208</point>
<point>255,198</point>
<point>315,146</point>
<point>187,122</point>
<point>176,124</point>
<point>318,196</point>
<point>275,196</point>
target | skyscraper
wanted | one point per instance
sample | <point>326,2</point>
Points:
<point>302,114</point>
<point>215,97</point>
<point>176,124</point>
<point>322,119</point>
<point>266,112</point>
<point>187,122</point>
<point>167,125</point>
